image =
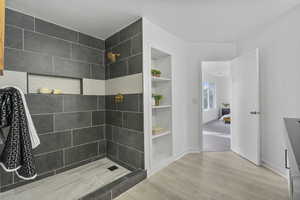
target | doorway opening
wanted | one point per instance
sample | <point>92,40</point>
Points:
<point>216,106</point>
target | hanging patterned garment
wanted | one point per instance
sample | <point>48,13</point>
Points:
<point>17,152</point>
<point>35,140</point>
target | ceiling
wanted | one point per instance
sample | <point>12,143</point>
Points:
<point>191,20</point>
<point>216,68</point>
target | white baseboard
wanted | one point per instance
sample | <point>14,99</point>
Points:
<point>268,166</point>
<point>189,151</point>
<point>171,160</point>
<point>274,169</point>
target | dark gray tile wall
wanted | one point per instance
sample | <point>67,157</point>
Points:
<point>36,46</point>
<point>45,123</point>
<point>75,69</point>
<point>129,43</point>
<point>76,129</point>
<point>19,19</point>
<point>68,136</point>
<point>55,30</point>
<point>124,121</point>
<point>15,39</point>
<point>91,41</point>
<point>124,130</point>
<point>24,61</point>
<point>41,43</point>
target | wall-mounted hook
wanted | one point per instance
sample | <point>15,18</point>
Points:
<point>112,56</point>
<point>119,98</point>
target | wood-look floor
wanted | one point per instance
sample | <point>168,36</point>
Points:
<point>211,176</point>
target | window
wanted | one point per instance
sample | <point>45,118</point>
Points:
<point>209,95</point>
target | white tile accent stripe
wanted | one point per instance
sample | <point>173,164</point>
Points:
<point>93,87</point>
<point>12,78</point>
<point>130,84</point>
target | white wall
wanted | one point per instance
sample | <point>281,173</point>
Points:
<point>279,45</point>
<point>210,115</point>
<point>224,90</point>
<point>154,36</point>
<point>186,66</point>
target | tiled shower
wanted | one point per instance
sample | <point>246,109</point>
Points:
<point>85,123</point>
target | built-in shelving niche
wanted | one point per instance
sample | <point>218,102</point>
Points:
<point>161,143</point>
<point>66,85</point>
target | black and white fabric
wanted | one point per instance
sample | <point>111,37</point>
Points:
<point>17,153</point>
<point>35,140</point>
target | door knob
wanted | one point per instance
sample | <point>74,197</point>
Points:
<point>254,113</point>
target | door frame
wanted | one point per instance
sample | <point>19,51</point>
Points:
<point>259,94</point>
<point>201,96</point>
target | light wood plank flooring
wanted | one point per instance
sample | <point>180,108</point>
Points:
<point>211,176</point>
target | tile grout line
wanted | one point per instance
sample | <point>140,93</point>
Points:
<point>71,51</point>
<point>125,40</point>
<point>132,130</point>
<point>69,147</point>
<point>98,147</point>
<point>53,65</point>
<point>91,73</point>
<point>127,146</point>
<point>72,137</point>
<point>92,118</point>
<point>74,60</point>
<point>46,54</point>
<point>63,103</point>
<point>69,112</point>
<point>34,23</point>
<point>77,36</point>
<point>67,130</point>
<point>54,124</point>
<point>23,39</point>
<point>62,39</point>
<point>126,111</point>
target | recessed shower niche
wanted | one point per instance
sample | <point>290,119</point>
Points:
<point>66,85</point>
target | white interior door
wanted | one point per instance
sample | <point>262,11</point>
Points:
<point>245,129</point>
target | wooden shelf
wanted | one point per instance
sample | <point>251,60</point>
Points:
<point>160,79</point>
<point>161,107</point>
<point>161,134</point>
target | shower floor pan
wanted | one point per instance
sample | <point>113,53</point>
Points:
<point>90,181</point>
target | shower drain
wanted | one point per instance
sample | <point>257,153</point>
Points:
<point>113,168</point>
